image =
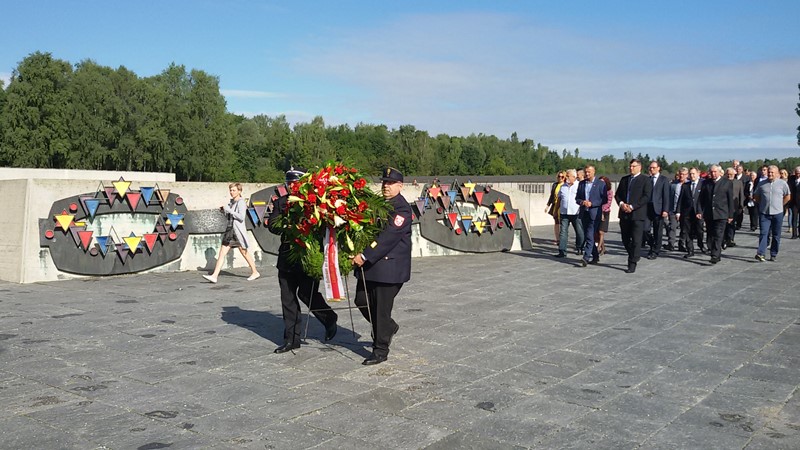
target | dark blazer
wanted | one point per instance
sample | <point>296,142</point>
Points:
<point>794,190</point>
<point>640,190</point>
<point>598,195</point>
<point>738,194</point>
<point>283,264</point>
<point>716,199</point>
<point>687,202</point>
<point>389,256</point>
<point>660,198</point>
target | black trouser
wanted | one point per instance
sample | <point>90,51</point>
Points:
<point>715,230</point>
<point>654,229</point>
<point>730,228</point>
<point>738,218</point>
<point>298,285</point>
<point>631,231</point>
<point>754,221</point>
<point>795,219</point>
<point>381,300</point>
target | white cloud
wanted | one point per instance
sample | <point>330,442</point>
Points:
<point>493,74</point>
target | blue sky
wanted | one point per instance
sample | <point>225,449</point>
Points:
<point>712,80</point>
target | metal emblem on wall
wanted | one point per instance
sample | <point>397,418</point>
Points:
<point>115,230</point>
<point>469,217</point>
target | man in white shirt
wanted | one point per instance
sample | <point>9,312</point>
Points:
<point>569,213</point>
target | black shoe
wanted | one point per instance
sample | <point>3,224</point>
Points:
<point>286,348</point>
<point>773,258</point>
<point>652,256</point>
<point>595,261</point>
<point>330,331</point>
<point>703,250</point>
<point>688,255</point>
<point>714,260</point>
<point>669,248</point>
<point>681,247</point>
<point>631,268</point>
<point>731,244</point>
<point>724,245</point>
<point>561,255</point>
<point>583,262</point>
<point>374,359</point>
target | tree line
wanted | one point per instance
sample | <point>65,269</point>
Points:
<point>54,114</point>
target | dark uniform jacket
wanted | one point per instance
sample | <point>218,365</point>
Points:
<point>716,199</point>
<point>640,188</point>
<point>278,207</point>
<point>389,256</point>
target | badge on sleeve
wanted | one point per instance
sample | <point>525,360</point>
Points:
<point>399,220</point>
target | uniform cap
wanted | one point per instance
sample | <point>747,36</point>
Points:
<point>392,174</point>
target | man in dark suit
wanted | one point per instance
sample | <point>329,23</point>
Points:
<point>794,203</point>
<point>691,226</point>
<point>738,216</point>
<point>716,209</point>
<point>657,210</point>
<point>592,195</point>
<point>632,196</point>
<point>386,266</point>
<point>673,239</point>
<point>738,203</point>
<point>295,283</point>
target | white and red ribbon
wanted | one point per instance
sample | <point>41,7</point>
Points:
<point>331,275</point>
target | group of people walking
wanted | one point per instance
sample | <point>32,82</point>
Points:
<point>693,207</point>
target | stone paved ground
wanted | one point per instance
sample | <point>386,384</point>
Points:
<point>511,350</point>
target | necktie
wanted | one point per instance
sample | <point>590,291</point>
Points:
<point>694,184</point>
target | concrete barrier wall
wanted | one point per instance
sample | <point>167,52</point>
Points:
<point>25,201</point>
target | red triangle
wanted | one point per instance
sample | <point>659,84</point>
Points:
<point>434,191</point>
<point>453,217</point>
<point>149,240</point>
<point>512,218</point>
<point>86,238</point>
<point>478,197</point>
<point>133,199</point>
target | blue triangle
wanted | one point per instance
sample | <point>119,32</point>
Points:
<point>147,194</point>
<point>91,205</point>
<point>452,195</point>
<point>174,219</point>
<point>102,242</point>
<point>253,215</point>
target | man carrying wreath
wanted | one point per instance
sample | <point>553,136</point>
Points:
<point>295,283</point>
<point>386,265</point>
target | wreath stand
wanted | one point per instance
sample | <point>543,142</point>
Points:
<point>349,306</point>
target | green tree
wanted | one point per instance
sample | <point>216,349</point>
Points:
<point>35,119</point>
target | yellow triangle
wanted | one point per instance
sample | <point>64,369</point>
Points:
<point>133,242</point>
<point>479,226</point>
<point>470,186</point>
<point>499,207</point>
<point>64,220</point>
<point>121,186</point>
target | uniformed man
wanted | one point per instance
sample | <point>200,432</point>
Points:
<point>295,284</point>
<point>386,266</point>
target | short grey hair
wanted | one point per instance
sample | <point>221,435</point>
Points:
<point>572,172</point>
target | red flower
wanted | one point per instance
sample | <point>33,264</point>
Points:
<point>338,170</point>
<point>299,242</point>
<point>345,193</point>
<point>295,187</point>
<point>341,210</point>
<point>312,198</point>
<point>362,206</point>
<point>313,220</point>
<point>360,183</point>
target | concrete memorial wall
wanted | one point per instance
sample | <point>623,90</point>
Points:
<point>91,223</point>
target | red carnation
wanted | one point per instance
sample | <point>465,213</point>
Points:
<point>340,210</point>
<point>345,193</point>
<point>312,198</point>
<point>360,183</point>
<point>339,170</point>
<point>362,206</point>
